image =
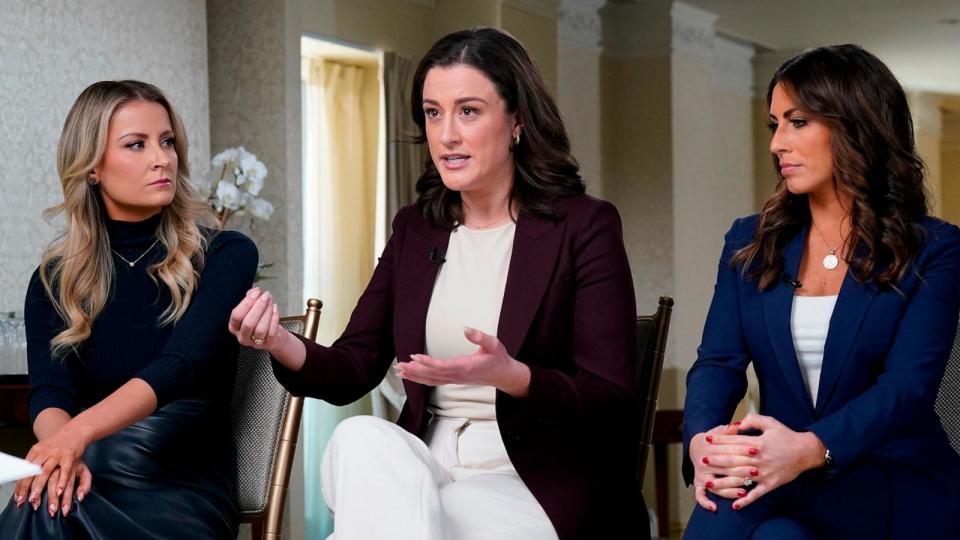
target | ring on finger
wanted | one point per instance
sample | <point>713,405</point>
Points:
<point>257,340</point>
<point>748,483</point>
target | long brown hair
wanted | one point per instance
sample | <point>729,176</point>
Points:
<point>544,167</point>
<point>875,163</point>
<point>77,269</point>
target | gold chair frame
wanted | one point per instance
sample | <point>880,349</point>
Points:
<point>267,525</point>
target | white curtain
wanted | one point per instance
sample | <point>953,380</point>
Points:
<point>404,162</point>
<point>339,226</point>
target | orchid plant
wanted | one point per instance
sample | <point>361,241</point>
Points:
<point>233,184</point>
<point>232,188</point>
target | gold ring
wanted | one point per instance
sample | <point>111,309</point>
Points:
<point>257,341</point>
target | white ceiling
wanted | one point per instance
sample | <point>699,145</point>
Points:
<point>918,39</point>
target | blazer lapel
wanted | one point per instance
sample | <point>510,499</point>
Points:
<point>777,307</point>
<point>852,304</point>
<point>416,278</point>
<point>534,256</point>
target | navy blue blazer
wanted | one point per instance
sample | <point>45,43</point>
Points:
<point>884,356</point>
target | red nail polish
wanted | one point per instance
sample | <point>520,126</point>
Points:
<point>736,506</point>
<point>754,472</point>
<point>709,484</point>
<point>706,461</point>
<point>737,423</point>
<point>752,451</point>
<point>709,438</point>
<point>741,493</point>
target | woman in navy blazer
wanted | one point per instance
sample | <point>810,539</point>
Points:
<point>844,294</point>
<point>561,358</point>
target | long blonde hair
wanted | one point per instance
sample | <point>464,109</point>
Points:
<point>77,269</point>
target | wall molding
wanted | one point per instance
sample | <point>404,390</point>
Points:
<point>733,66</point>
<point>579,24</point>
<point>692,30</point>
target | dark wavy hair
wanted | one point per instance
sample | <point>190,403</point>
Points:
<point>544,168</point>
<point>875,163</point>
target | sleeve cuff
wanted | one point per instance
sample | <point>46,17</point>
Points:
<point>166,376</point>
<point>49,398</point>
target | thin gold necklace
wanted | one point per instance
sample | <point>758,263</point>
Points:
<point>135,261</point>
<point>830,260</point>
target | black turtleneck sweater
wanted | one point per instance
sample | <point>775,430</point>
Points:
<point>192,358</point>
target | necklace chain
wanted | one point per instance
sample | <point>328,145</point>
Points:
<point>830,260</point>
<point>135,261</point>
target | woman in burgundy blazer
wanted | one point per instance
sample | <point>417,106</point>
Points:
<point>567,317</point>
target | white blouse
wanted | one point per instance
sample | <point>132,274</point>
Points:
<point>809,322</point>
<point>468,292</point>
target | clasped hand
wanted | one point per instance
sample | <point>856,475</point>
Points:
<point>63,474</point>
<point>723,460</point>
<point>490,365</point>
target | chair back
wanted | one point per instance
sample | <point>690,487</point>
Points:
<point>266,422</point>
<point>948,399</point>
<point>652,333</point>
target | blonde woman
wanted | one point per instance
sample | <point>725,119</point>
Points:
<point>130,361</point>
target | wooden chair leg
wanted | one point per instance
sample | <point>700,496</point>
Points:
<point>663,491</point>
<point>257,531</point>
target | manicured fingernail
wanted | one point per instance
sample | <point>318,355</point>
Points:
<point>754,472</point>
<point>36,506</point>
<point>65,509</point>
<point>709,438</point>
<point>59,492</point>
<point>709,484</point>
<point>737,423</point>
<point>736,506</point>
<point>741,493</point>
<point>714,509</point>
<point>52,509</point>
<point>752,451</point>
<point>706,461</point>
<point>80,495</point>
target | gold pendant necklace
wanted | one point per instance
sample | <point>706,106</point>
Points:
<point>830,260</point>
<point>135,261</point>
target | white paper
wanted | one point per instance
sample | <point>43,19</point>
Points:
<point>13,468</point>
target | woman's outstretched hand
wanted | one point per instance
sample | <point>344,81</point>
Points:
<point>490,365</point>
<point>256,323</point>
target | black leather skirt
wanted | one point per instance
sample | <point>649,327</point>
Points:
<point>169,476</point>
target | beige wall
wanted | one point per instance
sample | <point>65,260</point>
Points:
<point>578,97</point>
<point>50,51</point>
<point>950,166</point>
<point>539,34</point>
<point>397,25</point>
<point>927,126</point>
<point>638,168</point>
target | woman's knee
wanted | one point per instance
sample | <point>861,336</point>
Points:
<point>358,429</point>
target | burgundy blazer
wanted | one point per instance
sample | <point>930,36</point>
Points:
<point>568,312</point>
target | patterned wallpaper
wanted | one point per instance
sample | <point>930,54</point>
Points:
<point>254,51</point>
<point>50,50</point>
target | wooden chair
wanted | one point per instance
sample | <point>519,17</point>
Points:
<point>651,345</point>
<point>948,399</point>
<point>266,422</point>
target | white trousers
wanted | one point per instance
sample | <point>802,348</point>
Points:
<point>380,481</point>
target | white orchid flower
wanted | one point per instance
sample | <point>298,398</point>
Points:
<point>260,208</point>
<point>228,196</point>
